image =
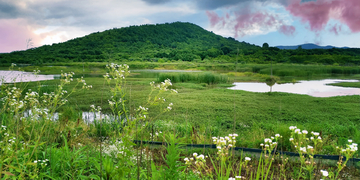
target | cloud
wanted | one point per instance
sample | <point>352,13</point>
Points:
<point>59,20</point>
<point>318,13</point>
<point>242,24</point>
<point>351,14</point>
<point>287,30</point>
<point>255,21</point>
<point>154,2</point>
<point>8,10</point>
<point>215,4</point>
<point>249,19</point>
<point>214,18</point>
<point>307,0</point>
<point>336,29</point>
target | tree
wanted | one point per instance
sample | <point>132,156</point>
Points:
<point>265,46</point>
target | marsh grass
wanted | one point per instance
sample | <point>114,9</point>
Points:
<point>347,84</point>
<point>73,149</point>
<point>207,78</point>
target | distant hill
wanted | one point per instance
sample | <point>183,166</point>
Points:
<point>310,46</point>
<point>174,41</point>
<point>178,41</point>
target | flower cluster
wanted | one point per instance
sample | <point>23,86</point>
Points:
<point>142,112</point>
<point>114,148</point>
<point>67,77</point>
<point>94,109</point>
<point>302,143</point>
<point>197,160</point>
<point>236,177</point>
<point>37,71</point>
<point>41,162</point>
<point>111,103</point>
<point>169,107</point>
<point>12,99</point>
<point>155,135</point>
<point>224,144</point>
<point>324,173</point>
<point>85,86</point>
<point>163,86</point>
<point>350,148</point>
<point>117,72</point>
<point>270,143</point>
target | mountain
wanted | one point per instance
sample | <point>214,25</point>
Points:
<point>310,46</point>
<point>173,41</point>
<point>178,41</point>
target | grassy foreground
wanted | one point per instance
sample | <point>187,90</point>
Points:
<point>35,147</point>
<point>213,109</point>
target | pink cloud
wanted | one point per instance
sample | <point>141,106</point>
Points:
<point>335,29</point>
<point>227,16</point>
<point>318,13</point>
<point>247,20</point>
<point>351,14</point>
<point>287,30</point>
<point>14,34</point>
<point>214,18</point>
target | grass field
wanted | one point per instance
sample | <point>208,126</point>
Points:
<point>257,115</point>
<point>200,111</point>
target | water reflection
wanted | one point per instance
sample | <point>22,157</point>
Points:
<point>316,88</point>
<point>88,117</point>
<point>20,76</point>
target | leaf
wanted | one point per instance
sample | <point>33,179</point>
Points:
<point>94,177</point>
<point>8,173</point>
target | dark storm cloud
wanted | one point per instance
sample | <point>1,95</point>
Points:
<point>43,13</point>
<point>8,10</point>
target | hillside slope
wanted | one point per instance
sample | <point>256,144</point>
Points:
<point>175,41</point>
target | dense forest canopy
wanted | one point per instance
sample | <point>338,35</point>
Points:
<point>173,42</point>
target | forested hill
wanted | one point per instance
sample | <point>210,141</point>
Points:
<point>172,42</point>
<point>184,41</point>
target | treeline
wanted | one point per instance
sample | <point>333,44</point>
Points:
<point>176,41</point>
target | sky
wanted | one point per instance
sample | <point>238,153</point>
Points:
<point>33,23</point>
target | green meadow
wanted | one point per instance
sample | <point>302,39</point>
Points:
<point>202,108</point>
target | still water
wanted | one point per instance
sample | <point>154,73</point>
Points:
<point>20,76</point>
<point>316,88</point>
<point>88,117</point>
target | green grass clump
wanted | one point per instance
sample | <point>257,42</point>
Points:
<point>347,84</point>
<point>208,78</point>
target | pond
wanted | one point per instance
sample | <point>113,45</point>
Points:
<point>20,76</point>
<point>315,88</point>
